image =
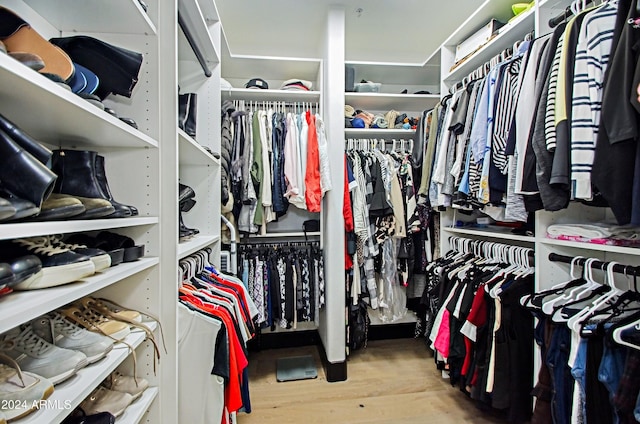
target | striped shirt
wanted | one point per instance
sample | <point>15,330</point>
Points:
<point>505,107</point>
<point>592,58</point>
<point>550,114</point>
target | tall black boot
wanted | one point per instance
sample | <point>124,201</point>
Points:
<point>101,176</point>
<point>22,174</point>
<point>25,141</point>
<point>77,177</point>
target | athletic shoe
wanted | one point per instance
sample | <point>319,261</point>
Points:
<point>105,400</point>
<point>101,259</point>
<point>112,310</point>
<point>20,392</point>
<point>55,329</point>
<point>96,322</point>
<point>34,354</point>
<point>126,384</point>
<point>59,266</point>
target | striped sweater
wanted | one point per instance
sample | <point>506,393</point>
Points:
<point>592,58</point>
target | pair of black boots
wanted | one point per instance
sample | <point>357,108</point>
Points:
<point>81,174</point>
<point>25,179</point>
<point>186,202</point>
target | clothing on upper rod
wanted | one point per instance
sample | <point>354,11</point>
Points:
<point>560,127</point>
<point>272,157</point>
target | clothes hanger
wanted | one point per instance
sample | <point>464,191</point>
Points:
<point>578,292</point>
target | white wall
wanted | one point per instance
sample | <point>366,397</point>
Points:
<point>332,322</point>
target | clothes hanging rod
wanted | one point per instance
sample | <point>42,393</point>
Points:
<point>557,20</point>
<point>194,46</point>
<point>619,268</point>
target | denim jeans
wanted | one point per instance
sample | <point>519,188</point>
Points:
<point>563,382</point>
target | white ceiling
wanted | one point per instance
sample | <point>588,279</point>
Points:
<point>400,31</point>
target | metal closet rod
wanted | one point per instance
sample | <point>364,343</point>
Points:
<point>314,243</point>
<point>194,46</point>
<point>619,268</point>
<point>557,20</point>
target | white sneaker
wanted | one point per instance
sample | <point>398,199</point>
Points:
<point>101,259</point>
<point>57,330</point>
<point>105,400</point>
<point>20,392</point>
<point>126,384</point>
<point>38,356</point>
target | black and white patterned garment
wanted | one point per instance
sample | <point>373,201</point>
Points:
<point>282,269</point>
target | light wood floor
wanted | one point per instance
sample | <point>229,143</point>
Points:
<point>392,381</point>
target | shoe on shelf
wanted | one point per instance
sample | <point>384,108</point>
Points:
<point>7,210</point>
<point>24,208</point>
<point>77,177</point>
<point>56,329</point>
<point>21,173</point>
<point>18,36</point>
<point>7,275</point>
<point>20,391</point>
<point>117,255</point>
<point>79,417</point>
<point>59,266</point>
<point>93,321</point>
<point>24,140</point>
<point>121,210</point>
<point>110,310</point>
<point>27,269</point>
<point>101,259</point>
<point>36,355</point>
<point>59,206</point>
<point>118,382</point>
<point>105,400</point>
<point>132,251</point>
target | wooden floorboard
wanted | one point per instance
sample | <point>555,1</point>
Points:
<point>391,381</point>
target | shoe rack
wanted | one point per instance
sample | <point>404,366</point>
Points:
<point>141,167</point>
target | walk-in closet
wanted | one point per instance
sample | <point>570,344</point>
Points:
<point>230,211</point>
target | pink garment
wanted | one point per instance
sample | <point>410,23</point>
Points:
<point>606,241</point>
<point>441,344</point>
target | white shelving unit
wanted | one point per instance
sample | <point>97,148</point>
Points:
<point>196,243</point>
<point>135,412</point>
<point>31,229</point>
<point>378,133</point>
<point>191,13</point>
<point>493,231</point>
<point>386,101</point>
<point>192,153</point>
<point>253,95</point>
<point>134,159</point>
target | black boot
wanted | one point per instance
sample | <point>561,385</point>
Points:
<point>186,197</point>
<point>77,177</point>
<point>101,176</point>
<point>187,107</point>
<point>22,174</point>
<point>25,141</point>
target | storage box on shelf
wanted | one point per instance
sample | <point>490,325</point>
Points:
<point>505,37</point>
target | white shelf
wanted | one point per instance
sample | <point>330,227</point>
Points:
<point>31,229</point>
<point>277,235</point>
<point>61,117</point>
<point>374,316</point>
<point>23,306</point>
<point>196,243</point>
<point>78,387</point>
<point>506,37</point>
<point>633,251</point>
<point>192,153</point>
<point>196,23</point>
<point>386,101</point>
<point>251,94</point>
<point>135,412</point>
<point>95,16</point>
<point>490,9</point>
<point>502,233</point>
<point>378,133</point>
